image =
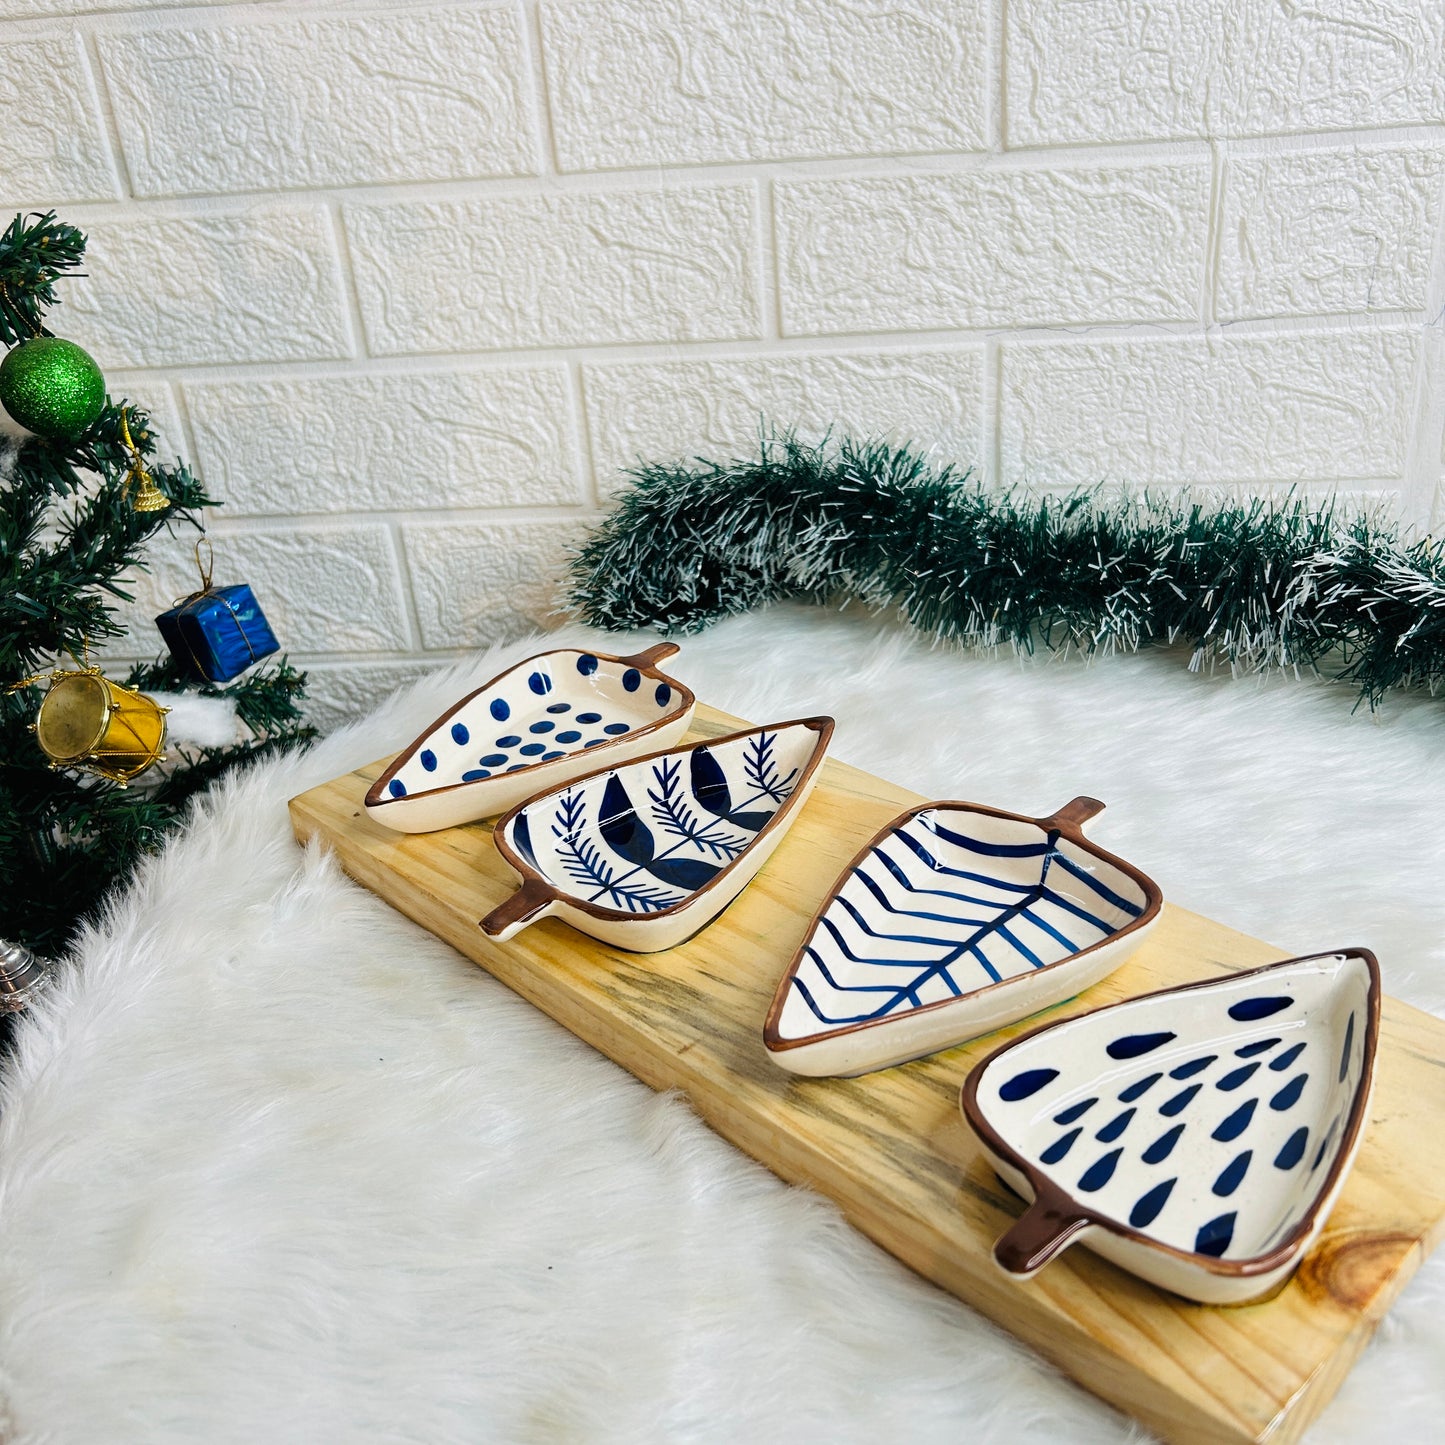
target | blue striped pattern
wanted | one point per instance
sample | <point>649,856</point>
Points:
<point>951,902</point>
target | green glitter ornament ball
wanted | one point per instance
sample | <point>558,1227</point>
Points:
<point>51,387</point>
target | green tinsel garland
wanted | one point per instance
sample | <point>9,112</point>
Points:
<point>1259,582</point>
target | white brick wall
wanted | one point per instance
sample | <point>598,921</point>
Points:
<point>409,283</point>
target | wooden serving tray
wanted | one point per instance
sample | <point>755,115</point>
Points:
<point>892,1149</point>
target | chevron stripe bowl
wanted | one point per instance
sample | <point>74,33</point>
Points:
<point>956,919</point>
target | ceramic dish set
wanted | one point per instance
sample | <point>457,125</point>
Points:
<point>1196,1137</point>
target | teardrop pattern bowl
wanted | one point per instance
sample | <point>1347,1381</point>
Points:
<point>549,718</point>
<point>1197,1137</point>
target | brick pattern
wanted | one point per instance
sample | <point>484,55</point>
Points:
<point>411,285</point>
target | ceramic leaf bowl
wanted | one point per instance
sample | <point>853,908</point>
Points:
<point>549,718</point>
<point>952,921</point>
<point>644,855</point>
<point>1197,1137</point>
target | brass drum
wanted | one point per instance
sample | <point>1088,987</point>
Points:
<point>88,721</point>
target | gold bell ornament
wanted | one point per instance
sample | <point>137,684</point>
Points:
<point>89,722</point>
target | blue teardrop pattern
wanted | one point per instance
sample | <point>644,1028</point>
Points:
<point>1216,1236</point>
<point>1236,1077</point>
<point>1075,1111</point>
<point>1146,1211</point>
<point>1163,1146</point>
<point>1235,1125</point>
<point>1194,1066</point>
<point>1099,1173</point>
<point>1232,1175</point>
<point>1115,1127</point>
<point>1179,1102</point>
<point>1293,1149</point>
<point>1247,1010</point>
<point>1139,1089</point>
<point>1283,1062</point>
<point>1133,1045</point>
<point>1289,1095</point>
<point>1260,1046</point>
<point>1345,1052</point>
<point>1060,1147</point>
<point>1026,1084</point>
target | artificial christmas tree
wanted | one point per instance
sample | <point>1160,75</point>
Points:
<point>78,504</point>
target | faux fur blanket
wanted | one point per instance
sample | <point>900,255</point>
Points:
<point>277,1166</point>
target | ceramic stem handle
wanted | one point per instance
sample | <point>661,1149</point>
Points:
<point>1045,1229</point>
<point>650,656</point>
<point>1073,815</point>
<point>513,914</point>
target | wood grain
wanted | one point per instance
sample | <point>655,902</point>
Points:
<point>892,1149</point>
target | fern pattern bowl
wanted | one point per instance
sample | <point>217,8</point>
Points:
<point>644,855</point>
<point>954,920</point>
<point>547,719</point>
<point>1197,1137</point>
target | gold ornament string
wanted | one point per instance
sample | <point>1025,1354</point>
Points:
<point>35,328</point>
<point>205,569</point>
<point>148,497</point>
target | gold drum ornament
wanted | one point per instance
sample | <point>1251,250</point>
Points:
<point>87,721</point>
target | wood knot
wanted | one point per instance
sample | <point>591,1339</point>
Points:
<point>1355,1270</point>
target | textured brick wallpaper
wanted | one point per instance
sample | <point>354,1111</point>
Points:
<point>409,283</point>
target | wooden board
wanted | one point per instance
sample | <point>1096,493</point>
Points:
<point>892,1149</point>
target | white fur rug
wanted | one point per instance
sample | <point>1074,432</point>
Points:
<point>276,1166</point>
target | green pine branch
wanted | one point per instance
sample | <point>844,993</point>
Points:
<point>69,536</point>
<point>1259,582</point>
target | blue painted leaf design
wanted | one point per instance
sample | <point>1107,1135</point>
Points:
<point>709,782</point>
<point>622,830</point>
<point>676,816</point>
<point>646,835</point>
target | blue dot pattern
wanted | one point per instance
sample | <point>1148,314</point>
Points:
<point>448,752</point>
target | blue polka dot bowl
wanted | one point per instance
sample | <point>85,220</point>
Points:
<point>954,920</point>
<point>1196,1137</point>
<point>646,854</point>
<point>549,718</point>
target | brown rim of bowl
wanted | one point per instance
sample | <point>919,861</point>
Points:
<point>644,661</point>
<point>1071,1215</point>
<point>1068,821</point>
<point>536,892</point>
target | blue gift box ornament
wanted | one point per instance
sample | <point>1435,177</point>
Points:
<point>218,632</point>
